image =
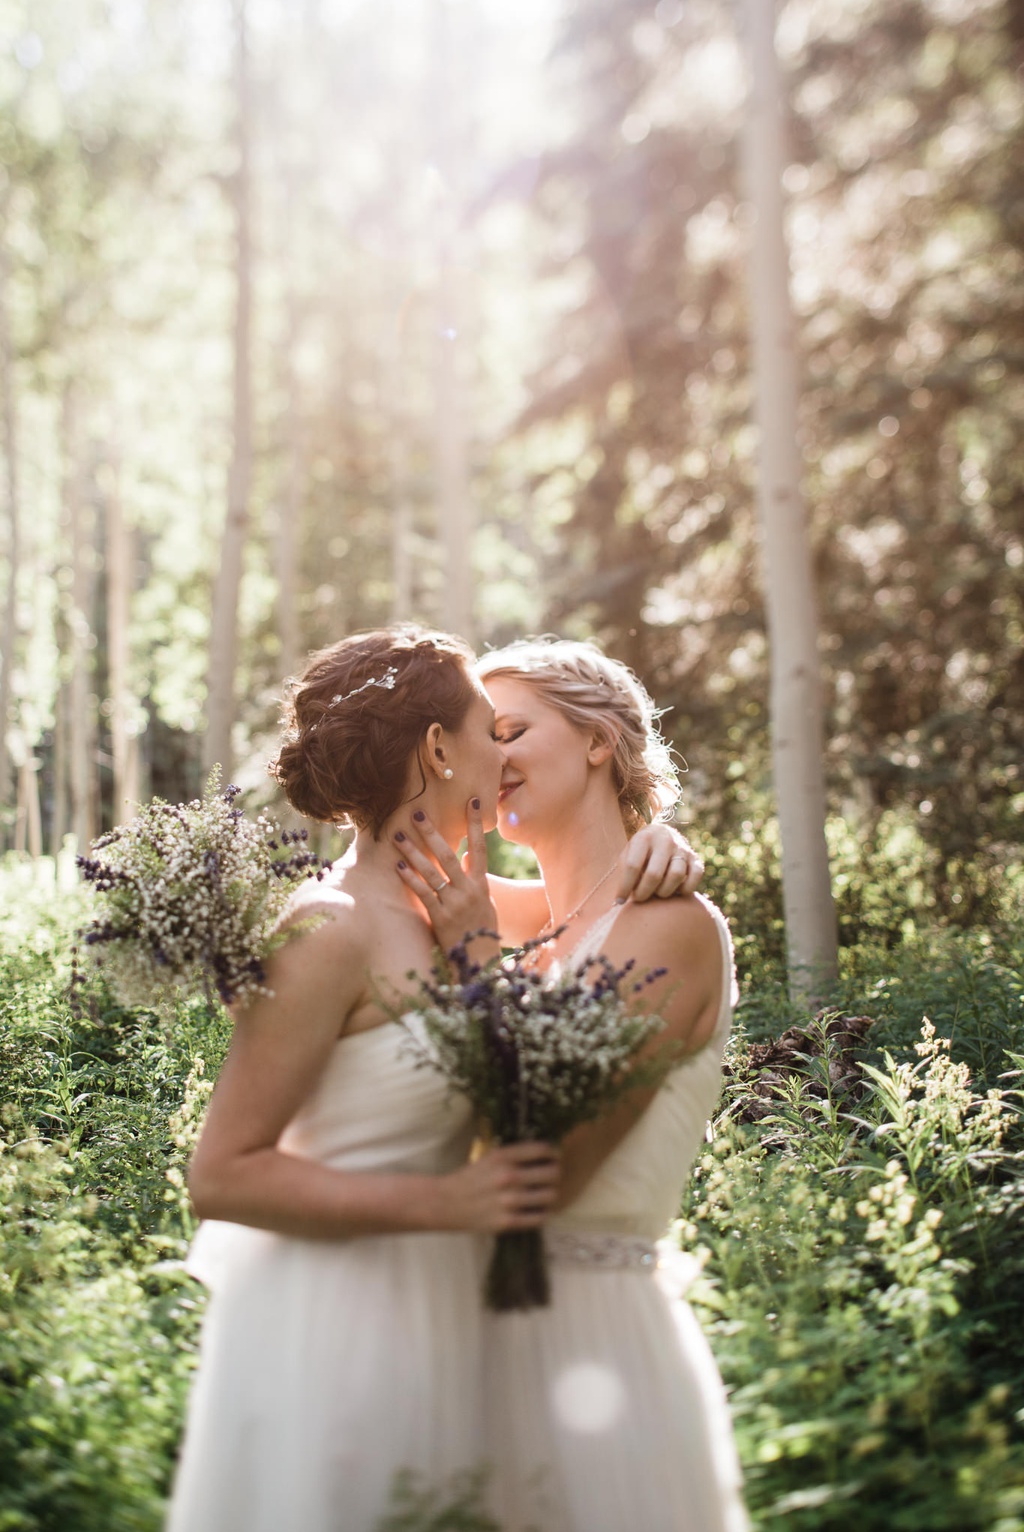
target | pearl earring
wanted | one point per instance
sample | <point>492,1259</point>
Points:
<point>448,773</point>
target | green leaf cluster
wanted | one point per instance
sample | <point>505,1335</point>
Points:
<point>864,1256</point>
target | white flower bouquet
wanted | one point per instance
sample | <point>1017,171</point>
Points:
<point>190,896</point>
<point>537,1056</point>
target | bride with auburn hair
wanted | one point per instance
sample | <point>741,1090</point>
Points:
<point>341,1241</point>
<point>604,1411</point>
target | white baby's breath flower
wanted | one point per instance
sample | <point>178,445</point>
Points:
<point>190,897</point>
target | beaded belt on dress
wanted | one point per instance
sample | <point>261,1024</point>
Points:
<point>601,1252</point>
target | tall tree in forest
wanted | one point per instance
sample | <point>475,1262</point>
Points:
<point>28,830</point>
<point>401,502</point>
<point>220,704</point>
<point>124,743</point>
<point>454,507</point>
<point>9,637</point>
<point>80,524</point>
<point>798,736</point>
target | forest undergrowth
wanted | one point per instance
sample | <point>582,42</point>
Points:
<point>857,1214</point>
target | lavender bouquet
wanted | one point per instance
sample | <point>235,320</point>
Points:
<point>537,1057</point>
<point>190,896</point>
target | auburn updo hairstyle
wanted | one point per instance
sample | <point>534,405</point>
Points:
<point>355,717</point>
<point>596,693</point>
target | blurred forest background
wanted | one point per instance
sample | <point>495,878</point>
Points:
<point>316,314</point>
<point>336,312</point>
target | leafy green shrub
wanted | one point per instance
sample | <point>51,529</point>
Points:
<point>860,1294</point>
<point>95,1355</point>
<point>884,881</point>
<point>98,1323</point>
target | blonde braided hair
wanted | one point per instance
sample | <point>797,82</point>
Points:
<point>597,693</point>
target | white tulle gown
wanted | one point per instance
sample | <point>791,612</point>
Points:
<point>327,1367</point>
<point>605,1411</point>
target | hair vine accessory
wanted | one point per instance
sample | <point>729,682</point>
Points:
<point>386,682</point>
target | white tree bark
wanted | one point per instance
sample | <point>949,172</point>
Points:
<point>454,509</point>
<point>294,155</point>
<point>12,499</point>
<point>220,700</point>
<point>28,832</point>
<point>81,639</point>
<point>796,708</point>
<point>124,744</point>
<point>288,534</point>
<point>401,504</point>
<point>59,815</point>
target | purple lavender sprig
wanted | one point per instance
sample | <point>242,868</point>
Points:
<point>190,896</point>
<point>537,1054</point>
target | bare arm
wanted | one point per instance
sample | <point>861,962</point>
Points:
<point>279,1049</point>
<point>681,937</point>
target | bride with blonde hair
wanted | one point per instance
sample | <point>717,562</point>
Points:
<point>604,1411</point>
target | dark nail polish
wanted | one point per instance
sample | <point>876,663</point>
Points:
<point>401,866</point>
<point>476,803</point>
<point>399,835</point>
<point>419,815</point>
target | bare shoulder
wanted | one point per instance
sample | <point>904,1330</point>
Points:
<point>680,939</point>
<point>683,926</point>
<point>322,898</point>
<point>325,929</point>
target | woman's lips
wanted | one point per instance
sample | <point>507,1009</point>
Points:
<point>506,789</point>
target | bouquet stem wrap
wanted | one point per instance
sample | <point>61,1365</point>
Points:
<point>537,1057</point>
<point>517,1277</point>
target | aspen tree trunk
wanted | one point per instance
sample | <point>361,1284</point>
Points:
<point>454,509</point>
<point>288,532</point>
<point>81,723</point>
<point>289,515</point>
<point>401,506</point>
<point>796,708</point>
<point>59,810</point>
<point>35,817</point>
<point>28,831</point>
<point>12,499</point>
<point>124,745</point>
<point>220,705</point>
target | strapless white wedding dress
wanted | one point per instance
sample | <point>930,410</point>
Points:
<point>605,1411</point>
<point>328,1366</point>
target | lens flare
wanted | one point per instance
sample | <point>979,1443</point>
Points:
<point>589,1397</point>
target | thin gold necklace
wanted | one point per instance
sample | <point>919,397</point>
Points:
<point>549,924</point>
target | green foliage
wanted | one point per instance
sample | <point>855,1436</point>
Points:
<point>98,1322</point>
<point>864,1253</point>
<point>885,880</point>
<point>860,1296</point>
<point>95,1354</point>
<point>457,1507</point>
